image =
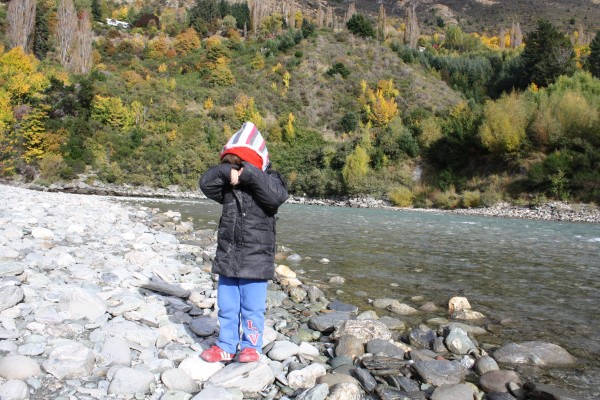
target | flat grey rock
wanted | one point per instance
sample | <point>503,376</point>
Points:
<point>541,354</point>
<point>440,372</point>
<point>452,392</point>
<point>250,378</point>
<point>131,381</point>
<point>327,322</point>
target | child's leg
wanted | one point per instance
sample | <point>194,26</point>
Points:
<point>228,300</point>
<point>253,305</point>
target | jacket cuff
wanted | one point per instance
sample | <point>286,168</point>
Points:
<point>248,172</point>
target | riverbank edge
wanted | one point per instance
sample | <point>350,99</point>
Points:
<point>548,211</point>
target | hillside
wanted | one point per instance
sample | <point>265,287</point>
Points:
<point>346,109</point>
<point>488,15</point>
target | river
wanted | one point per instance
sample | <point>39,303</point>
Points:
<point>534,280</point>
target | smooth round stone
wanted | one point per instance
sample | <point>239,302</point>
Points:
<point>497,381</point>
<point>384,347</point>
<point>282,350</point>
<point>204,326</point>
<point>349,346</point>
<point>294,258</point>
<point>485,364</point>
<point>454,392</point>
<point>458,342</point>
<point>179,380</point>
<point>534,353</point>
<point>215,392</point>
<point>337,305</point>
<point>18,367</point>
<point>175,395</point>
<point>14,390</point>
<point>440,372</point>
<point>130,381</point>
<point>340,360</point>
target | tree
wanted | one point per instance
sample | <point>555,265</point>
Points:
<point>65,30</point>
<point>594,58</point>
<point>355,169</point>
<point>411,34</point>
<point>241,12</point>
<point>381,23</point>
<point>187,41</point>
<point>547,55</point>
<point>20,23</point>
<point>359,25</point>
<point>96,10</point>
<point>81,54</point>
<point>203,13</point>
<point>41,33</point>
<point>505,124</point>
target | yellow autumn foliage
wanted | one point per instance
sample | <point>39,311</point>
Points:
<point>379,104</point>
<point>505,123</point>
<point>111,111</point>
<point>246,110</point>
<point>19,74</point>
<point>187,41</point>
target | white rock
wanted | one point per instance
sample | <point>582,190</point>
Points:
<point>269,336</point>
<point>215,392</point>
<point>458,303</point>
<point>14,390</point>
<point>18,367</point>
<point>199,369</point>
<point>9,252</point>
<point>165,238</point>
<point>132,332</point>
<point>308,351</point>
<point>131,381</point>
<point>282,350</point>
<point>48,315</point>
<point>118,350</point>
<point>9,296</point>
<point>13,232</point>
<point>345,391</point>
<point>284,271</point>
<point>42,233</point>
<point>78,303</point>
<point>250,378</point>
<point>70,361</point>
<point>306,377</point>
<point>178,379</point>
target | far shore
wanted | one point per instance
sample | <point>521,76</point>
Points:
<point>548,211</point>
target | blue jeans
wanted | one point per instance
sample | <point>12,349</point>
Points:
<point>242,302</point>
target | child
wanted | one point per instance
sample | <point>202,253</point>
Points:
<point>250,192</point>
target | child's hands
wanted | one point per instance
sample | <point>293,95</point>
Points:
<point>235,176</point>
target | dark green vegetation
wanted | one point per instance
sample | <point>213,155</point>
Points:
<point>343,113</point>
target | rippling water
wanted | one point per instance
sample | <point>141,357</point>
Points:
<point>541,279</point>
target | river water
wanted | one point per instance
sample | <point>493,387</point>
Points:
<point>534,280</point>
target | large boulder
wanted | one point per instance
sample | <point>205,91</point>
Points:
<point>541,354</point>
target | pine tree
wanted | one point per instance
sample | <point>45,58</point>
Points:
<point>594,58</point>
<point>547,55</point>
<point>41,34</point>
<point>96,10</point>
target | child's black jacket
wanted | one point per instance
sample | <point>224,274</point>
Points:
<point>246,236</point>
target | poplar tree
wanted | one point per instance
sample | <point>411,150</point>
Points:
<point>65,30</point>
<point>20,17</point>
<point>411,34</point>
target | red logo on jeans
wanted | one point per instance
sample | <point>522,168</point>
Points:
<point>253,336</point>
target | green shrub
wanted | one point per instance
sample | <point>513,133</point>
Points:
<point>490,197</point>
<point>361,26</point>
<point>51,167</point>
<point>401,196</point>
<point>446,200</point>
<point>504,124</point>
<point>471,199</point>
<point>338,68</point>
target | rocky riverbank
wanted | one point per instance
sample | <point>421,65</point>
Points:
<point>101,301</point>
<point>548,211</point>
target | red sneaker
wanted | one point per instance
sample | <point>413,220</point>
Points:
<point>248,355</point>
<point>216,354</point>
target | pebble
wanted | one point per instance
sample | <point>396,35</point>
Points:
<point>118,306</point>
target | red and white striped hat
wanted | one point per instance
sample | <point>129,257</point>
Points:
<point>249,145</point>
